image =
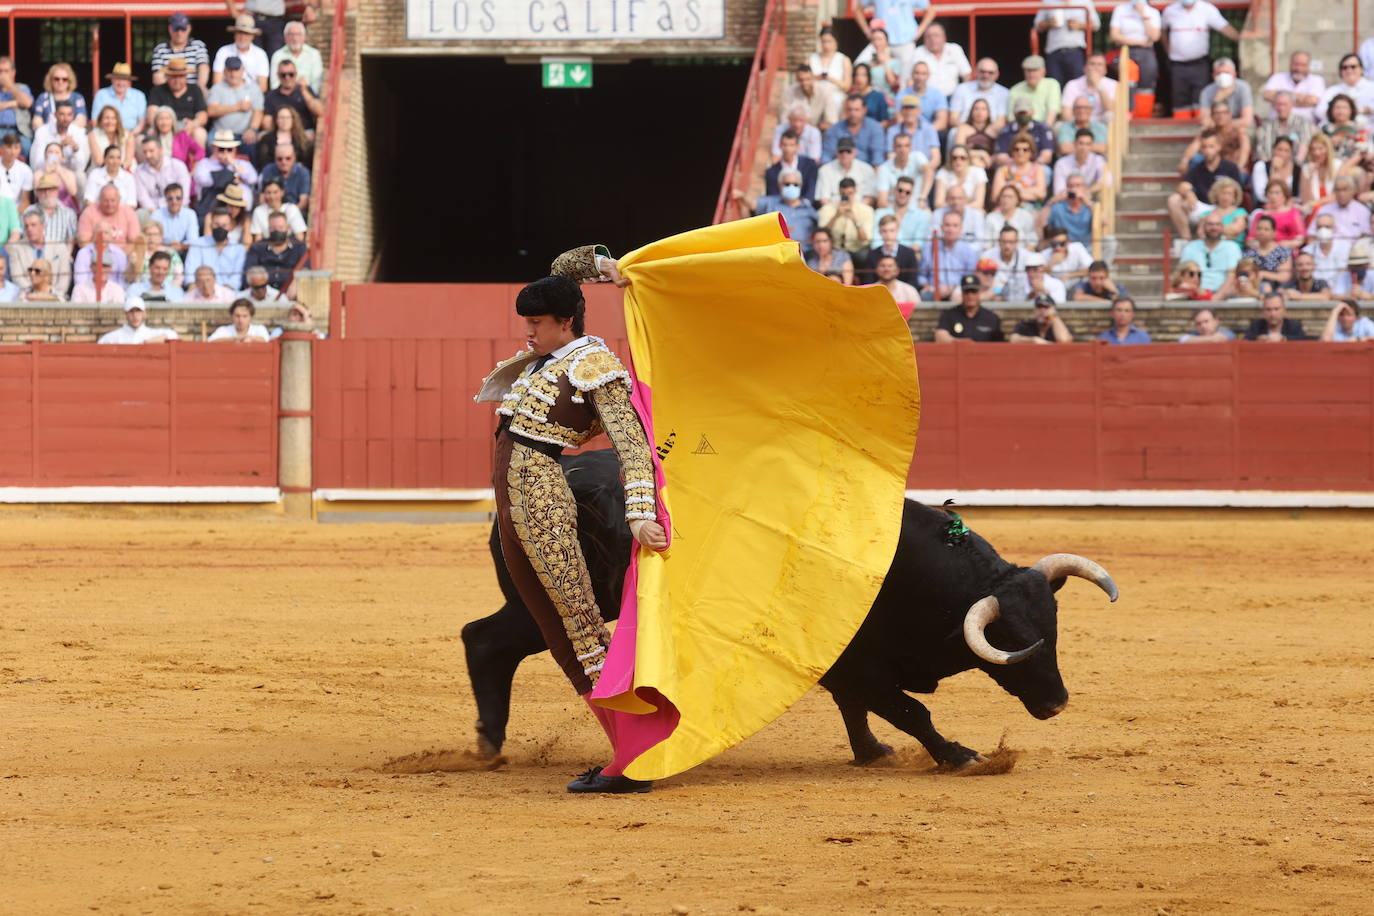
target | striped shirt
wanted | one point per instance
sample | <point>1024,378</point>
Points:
<point>59,224</point>
<point>195,53</point>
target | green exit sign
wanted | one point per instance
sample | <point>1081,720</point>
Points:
<point>567,72</point>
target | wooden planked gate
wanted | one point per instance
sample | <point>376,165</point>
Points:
<point>1236,416</point>
<point>180,414</point>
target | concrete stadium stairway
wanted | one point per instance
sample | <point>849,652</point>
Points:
<point>1150,176</point>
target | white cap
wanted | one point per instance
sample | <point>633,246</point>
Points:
<point>134,302</point>
<point>1034,259</point>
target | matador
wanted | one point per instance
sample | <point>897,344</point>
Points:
<point>561,391</point>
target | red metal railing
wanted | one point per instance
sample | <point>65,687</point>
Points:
<point>102,9</point>
<point>769,56</point>
<point>327,129</point>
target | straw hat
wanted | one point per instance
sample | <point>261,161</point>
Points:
<point>232,196</point>
<point>123,70</point>
<point>245,23</point>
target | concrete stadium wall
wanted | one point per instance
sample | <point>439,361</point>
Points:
<point>176,415</point>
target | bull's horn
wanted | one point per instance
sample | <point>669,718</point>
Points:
<point>1058,565</point>
<point>984,612</point>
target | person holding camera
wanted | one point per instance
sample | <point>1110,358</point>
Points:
<point>1069,208</point>
<point>849,220</point>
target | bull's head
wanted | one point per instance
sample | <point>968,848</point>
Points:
<point>1024,612</point>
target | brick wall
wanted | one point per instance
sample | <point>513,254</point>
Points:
<point>21,323</point>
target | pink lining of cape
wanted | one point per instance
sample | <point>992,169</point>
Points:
<point>635,734</point>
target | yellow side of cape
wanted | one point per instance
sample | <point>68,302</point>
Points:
<point>792,404</point>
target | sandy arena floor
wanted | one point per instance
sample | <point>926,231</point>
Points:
<point>197,716</point>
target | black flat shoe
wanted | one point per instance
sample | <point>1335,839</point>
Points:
<point>593,781</point>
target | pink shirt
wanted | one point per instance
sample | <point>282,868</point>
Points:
<point>1288,224</point>
<point>124,223</point>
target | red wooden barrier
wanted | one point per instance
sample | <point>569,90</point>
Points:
<point>182,414</point>
<point>398,413</point>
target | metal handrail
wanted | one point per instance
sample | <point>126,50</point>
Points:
<point>327,127</point>
<point>757,96</point>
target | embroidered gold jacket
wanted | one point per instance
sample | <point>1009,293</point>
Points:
<point>568,401</point>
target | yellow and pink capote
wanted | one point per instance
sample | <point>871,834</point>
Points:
<point>784,408</point>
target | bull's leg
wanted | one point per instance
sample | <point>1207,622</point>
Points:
<point>865,745</point>
<point>495,647</point>
<point>912,717</point>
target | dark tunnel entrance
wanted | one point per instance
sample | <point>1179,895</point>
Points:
<point>480,175</point>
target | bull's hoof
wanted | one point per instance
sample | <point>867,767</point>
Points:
<point>486,748</point>
<point>956,757</point>
<point>878,751</point>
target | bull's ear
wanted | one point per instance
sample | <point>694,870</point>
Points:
<point>1057,584</point>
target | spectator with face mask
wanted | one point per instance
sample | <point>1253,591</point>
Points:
<point>1328,251</point>
<point>279,253</point>
<point>790,161</point>
<point>1022,123</point>
<point>273,200</point>
<point>1226,89</point>
<point>797,211</point>
<point>217,252</point>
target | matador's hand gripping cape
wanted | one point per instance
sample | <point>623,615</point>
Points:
<point>786,406</point>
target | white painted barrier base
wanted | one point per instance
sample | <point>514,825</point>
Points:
<point>139,495</point>
<point>1192,499</point>
<point>1201,499</point>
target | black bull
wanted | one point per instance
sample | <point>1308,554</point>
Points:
<point>947,601</point>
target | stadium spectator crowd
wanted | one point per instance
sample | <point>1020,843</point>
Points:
<point>947,181</point>
<point>197,190</point>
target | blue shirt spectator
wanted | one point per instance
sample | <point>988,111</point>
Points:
<point>1216,262</point>
<point>866,133</point>
<point>227,262</point>
<point>143,289</point>
<point>178,228</point>
<point>955,261</point>
<point>10,91</point>
<point>933,101</point>
<point>296,182</point>
<point>9,291</point>
<point>966,93</point>
<point>1134,335</point>
<point>1078,223</point>
<point>899,19</point>
<point>121,95</point>
<point>799,216</point>
<point>913,228</point>
<point>923,138</point>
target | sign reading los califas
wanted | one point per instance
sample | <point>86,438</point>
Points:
<point>564,20</point>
